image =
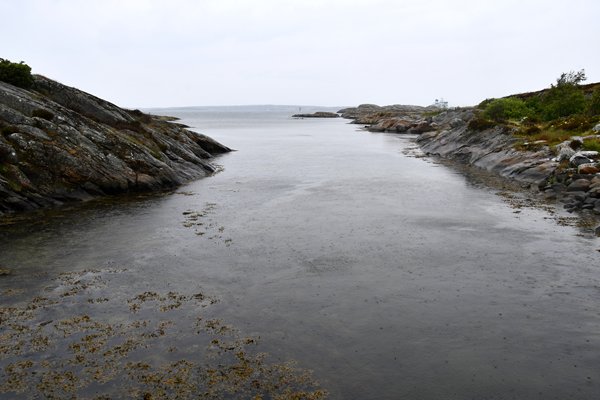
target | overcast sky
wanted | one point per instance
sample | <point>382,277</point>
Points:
<point>155,53</point>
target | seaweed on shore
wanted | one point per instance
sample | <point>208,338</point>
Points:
<point>75,342</point>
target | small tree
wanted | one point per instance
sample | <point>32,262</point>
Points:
<point>18,74</point>
<point>570,78</point>
<point>565,98</point>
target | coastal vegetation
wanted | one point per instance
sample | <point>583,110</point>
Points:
<point>552,115</point>
<point>18,74</point>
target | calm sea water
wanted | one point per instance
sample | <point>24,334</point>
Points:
<point>389,276</point>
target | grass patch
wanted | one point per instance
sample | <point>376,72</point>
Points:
<point>592,144</point>
<point>552,136</point>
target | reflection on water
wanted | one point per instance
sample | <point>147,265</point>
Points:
<point>387,275</point>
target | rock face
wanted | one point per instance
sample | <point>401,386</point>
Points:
<point>491,149</point>
<point>60,144</point>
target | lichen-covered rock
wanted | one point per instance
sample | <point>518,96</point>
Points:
<point>58,144</point>
<point>565,151</point>
<point>578,159</point>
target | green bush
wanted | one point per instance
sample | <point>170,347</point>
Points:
<point>18,74</point>
<point>562,101</point>
<point>484,104</point>
<point>565,98</point>
<point>593,107</point>
<point>506,108</point>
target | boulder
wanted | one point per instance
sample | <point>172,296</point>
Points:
<point>597,231</point>
<point>399,125</point>
<point>420,127</point>
<point>565,152</point>
<point>578,159</point>
<point>580,185</point>
<point>592,154</point>
<point>594,192</point>
<point>587,169</point>
<point>596,128</point>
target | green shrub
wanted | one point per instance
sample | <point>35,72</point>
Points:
<point>484,104</point>
<point>593,107</point>
<point>506,108</point>
<point>18,74</point>
<point>565,98</point>
<point>562,102</point>
<point>534,103</point>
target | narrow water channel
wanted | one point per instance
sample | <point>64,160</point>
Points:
<point>388,276</point>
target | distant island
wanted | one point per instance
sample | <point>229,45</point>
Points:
<point>59,144</point>
<point>318,114</point>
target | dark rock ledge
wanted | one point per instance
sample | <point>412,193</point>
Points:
<point>60,144</point>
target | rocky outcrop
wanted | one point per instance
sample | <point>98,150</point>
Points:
<point>396,118</point>
<point>492,149</point>
<point>318,114</point>
<point>60,144</point>
<point>564,172</point>
<point>577,182</point>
